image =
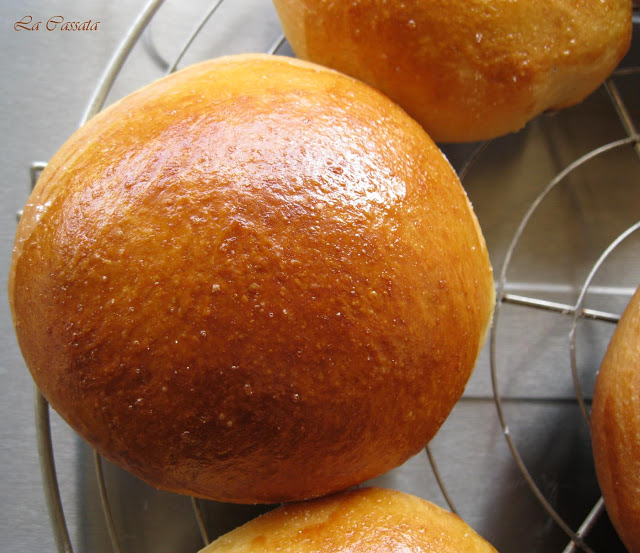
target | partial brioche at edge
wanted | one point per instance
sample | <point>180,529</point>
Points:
<point>359,521</point>
<point>466,70</point>
<point>255,280</point>
<point>615,426</point>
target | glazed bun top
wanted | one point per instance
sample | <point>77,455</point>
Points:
<point>361,521</point>
<point>466,70</point>
<point>256,280</point>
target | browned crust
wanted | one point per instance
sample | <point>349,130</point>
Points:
<point>368,520</point>
<point>256,280</point>
<point>615,426</point>
<point>466,70</point>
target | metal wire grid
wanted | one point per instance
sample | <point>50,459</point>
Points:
<point>576,311</point>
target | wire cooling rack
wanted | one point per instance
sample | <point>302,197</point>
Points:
<point>477,159</point>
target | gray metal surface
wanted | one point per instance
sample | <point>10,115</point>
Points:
<point>48,80</point>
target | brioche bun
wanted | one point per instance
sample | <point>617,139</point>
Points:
<point>466,70</point>
<point>358,521</point>
<point>615,426</point>
<point>255,280</point>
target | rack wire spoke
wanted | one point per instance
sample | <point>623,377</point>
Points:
<point>622,111</point>
<point>104,499</point>
<point>196,31</point>
<point>586,526</point>
<point>563,308</point>
<point>152,50</point>
<point>475,156</point>
<point>626,71</point>
<point>35,168</point>
<point>202,527</point>
<point>49,474</point>
<point>436,473</point>
<point>277,44</point>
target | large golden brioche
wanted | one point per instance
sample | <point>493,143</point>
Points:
<point>367,520</point>
<point>255,280</point>
<point>615,426</point>
<point>466,70</point>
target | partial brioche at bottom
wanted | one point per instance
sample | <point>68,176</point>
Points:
<point>615,426</point>
<point>360,521</point>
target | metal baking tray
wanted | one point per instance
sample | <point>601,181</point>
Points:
<point>558,202</point>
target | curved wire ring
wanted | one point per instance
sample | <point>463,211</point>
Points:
<point>169,68</point>
<point>173,66</point>
<point>499,297</point>
<point>578,310</point>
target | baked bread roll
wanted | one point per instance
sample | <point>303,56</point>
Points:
<point>466,70</point>
<point>359,521</point>
<point>615,426</point>
<point>256,280</point>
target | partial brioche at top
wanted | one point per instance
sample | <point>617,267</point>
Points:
<point>466,70</point>
<point>255,280</point>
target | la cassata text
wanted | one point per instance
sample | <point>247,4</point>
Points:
<point>54,23</point>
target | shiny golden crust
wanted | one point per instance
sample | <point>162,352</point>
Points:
<point>368,520</point>
<point>256,280</point>
<point>615,426</point>
<point>466,70</point>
